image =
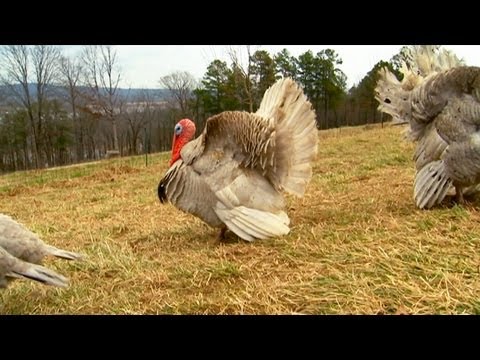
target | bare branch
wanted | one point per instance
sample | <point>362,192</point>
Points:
<point>180,85</point>
<point>245,71</point>
<point>15,61</point>
<point>102,79</point>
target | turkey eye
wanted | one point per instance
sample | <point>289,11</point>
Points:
<point>178,129</point>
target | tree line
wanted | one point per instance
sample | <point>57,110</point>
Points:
<point>59,110</point>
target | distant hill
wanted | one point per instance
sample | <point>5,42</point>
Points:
<point>154,94</point>
<point>59,91</point>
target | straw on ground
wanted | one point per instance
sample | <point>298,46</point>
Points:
<point>357,245</point>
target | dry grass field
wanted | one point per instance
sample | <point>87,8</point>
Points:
<point>357,243</point>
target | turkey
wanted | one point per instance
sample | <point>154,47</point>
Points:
<point>22,250</point>
<point>235,173</point>
<point>439,99</point>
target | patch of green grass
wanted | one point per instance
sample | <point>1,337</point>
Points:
<point>425,224</point>
<point>224,269</point>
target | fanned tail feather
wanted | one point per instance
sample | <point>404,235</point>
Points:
<point>251,224</point>
<point>431,185</point>
<point>296,136</point>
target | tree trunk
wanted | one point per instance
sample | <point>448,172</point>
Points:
<point>114,129</point>
<point>326,111</point>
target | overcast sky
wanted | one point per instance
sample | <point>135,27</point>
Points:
<point>144,65</point>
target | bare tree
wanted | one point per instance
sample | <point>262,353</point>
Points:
<point>15,64</point>
<point>71,70</point>
<point>137,114</point>
<point>102,78</point>
<point>245,71</point>
<point>17,61</point>
<point>180,85</point>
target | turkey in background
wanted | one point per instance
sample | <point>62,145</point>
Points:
<point>438,98</point>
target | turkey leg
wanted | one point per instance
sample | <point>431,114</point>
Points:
<point>221,235</point>
<point>459,195</point>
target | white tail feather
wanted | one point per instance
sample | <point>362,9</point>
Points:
<point>431,185</point>
<point>251,224</point>
<point>296,134</point>
<point>429,59</point>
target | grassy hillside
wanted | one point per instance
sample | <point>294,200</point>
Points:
<point>358,245</point>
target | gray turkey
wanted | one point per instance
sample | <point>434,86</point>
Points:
<point>439,99</point>
<point>22,253</point>
<point>234,174</point>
